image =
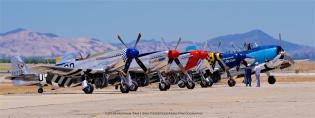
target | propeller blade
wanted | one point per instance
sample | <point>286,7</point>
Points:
<point>205,45</point>
<point>127,65</point>
<point>219,46</point>
<point>137,41</point>
<point>222,65</point>
<point>170,61</point>
<point>163,41</point>
<point>179,64</point>
<point>141,65</point>
<point>178,42</point>
<point>121,40</point>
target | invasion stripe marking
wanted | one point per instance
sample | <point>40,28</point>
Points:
<point>60,80</point>
<point>54,78</point>
<point>70,82</point>
<point>64,81</point>
<point>67,82</point>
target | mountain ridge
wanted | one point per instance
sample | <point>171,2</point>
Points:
<point>28,43</point>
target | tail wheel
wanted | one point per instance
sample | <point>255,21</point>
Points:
<point>134,86</point>
<point>231,82</point>
<point>88,89</point>
<point>124,88</point>
<point>40,90</point>
<point>271,80</point>
<point>181,84</point>
<point>163,86</point>
<point>190,85</point>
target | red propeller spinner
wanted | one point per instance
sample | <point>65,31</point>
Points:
<point>173,54</point>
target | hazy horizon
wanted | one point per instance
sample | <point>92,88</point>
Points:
<point>192,20</point>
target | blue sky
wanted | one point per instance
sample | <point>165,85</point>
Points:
<point>192,20</point>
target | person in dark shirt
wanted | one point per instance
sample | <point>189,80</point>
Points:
<point>247,76</point>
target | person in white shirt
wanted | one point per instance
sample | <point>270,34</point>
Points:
<point>257,72</point>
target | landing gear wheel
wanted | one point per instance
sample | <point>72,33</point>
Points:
<point>134,86</point>
<point>124,88</point>
<point>163,86</point>
<point>99,83</point>
<point>40,90</point>
<point>146,81</point>
<point>190,85</point>
<point>204,83</point>
<point>271,80</point>
<point>88,89</point>
<point>231,82</point>
<point>210,83</point>
<point>181,84</point>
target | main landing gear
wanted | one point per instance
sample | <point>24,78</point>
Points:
<point>205,82</point>
<point>186,82</point>
<point>271,78</point>
<point>127,84</point>
<point>87,87</point>
<point>164,85</point>
<point>231,82</point>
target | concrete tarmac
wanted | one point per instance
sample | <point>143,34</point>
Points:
<point>289,100</point>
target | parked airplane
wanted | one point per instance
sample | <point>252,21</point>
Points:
<point>21,75</point>
<point>269,57</point>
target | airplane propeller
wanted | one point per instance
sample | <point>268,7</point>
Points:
<point>173,54</point>
<point>132,53</point>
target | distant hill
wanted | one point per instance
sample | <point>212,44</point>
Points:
<point>28,43</point>
<point>261,38</point>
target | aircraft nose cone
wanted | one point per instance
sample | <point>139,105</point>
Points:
<point>203,54</point>
<point>132,52</point>
<point>173,54</point>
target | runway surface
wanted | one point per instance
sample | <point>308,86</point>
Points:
<point>288,100</point>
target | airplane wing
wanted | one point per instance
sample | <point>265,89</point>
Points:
<point>62,71</point>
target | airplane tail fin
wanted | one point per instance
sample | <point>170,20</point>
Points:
<point>18,67</point>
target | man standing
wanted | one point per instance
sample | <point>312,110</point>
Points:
<point>247,75</point>
<point>257,72</point>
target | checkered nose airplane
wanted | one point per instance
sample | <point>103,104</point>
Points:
<point>98,70</point>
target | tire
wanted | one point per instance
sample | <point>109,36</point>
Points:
<point>190,85</point>
<point>163,86</point>
<point>40,90</point>
<point>124,88</point>
<point>89,89</point>
<point>99,83</point>
<point>203,83</point>
<point>134,86</point>
<point>181,84</point>
<point>172,79</point>
<point>231,82</point>
<point>146,81</point>
<point>271,80</point>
